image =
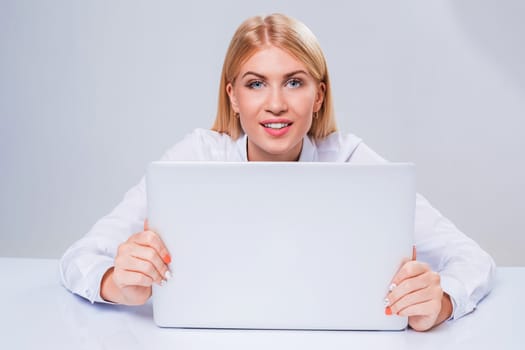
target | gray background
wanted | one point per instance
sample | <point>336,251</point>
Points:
<point>92,91</point>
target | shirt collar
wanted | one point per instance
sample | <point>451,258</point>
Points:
<point>242,147</point>
<point>308,152</point>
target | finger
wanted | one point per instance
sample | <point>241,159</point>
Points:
<point>417,297</point>
<point>429,307</point>
<point>126,278</point>
<point>151,255</point>
<point>143,266</point>
<point>409,269</point>
<point>403,262</point>
<point>153,240</point>
<point>132,250</point>
<point>408,286</point>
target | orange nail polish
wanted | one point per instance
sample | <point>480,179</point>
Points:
<point>388,311</point>
<point>167,259</point>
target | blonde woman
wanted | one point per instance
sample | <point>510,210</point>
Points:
<point>275,104</point>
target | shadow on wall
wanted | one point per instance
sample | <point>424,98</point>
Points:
<point>496,29</point>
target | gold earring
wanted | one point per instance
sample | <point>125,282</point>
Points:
<point>316,115</point>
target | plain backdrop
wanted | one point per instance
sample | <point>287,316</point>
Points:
<point>91,91</point>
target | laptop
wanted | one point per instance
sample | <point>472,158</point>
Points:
<point>277,245</point>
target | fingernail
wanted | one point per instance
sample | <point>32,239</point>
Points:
<point>388,311</point>
<point>392,286</point>
<point>386,301</point>
<point>168,275</point>
<point>166,259</point>
<point>162,282</point>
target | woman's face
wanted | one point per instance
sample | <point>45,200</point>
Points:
<point>275,98</point>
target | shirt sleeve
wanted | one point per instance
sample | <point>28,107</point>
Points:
<point>466,270</point>
<point>84,263</point>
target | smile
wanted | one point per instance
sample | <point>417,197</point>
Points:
<point>276,126</point>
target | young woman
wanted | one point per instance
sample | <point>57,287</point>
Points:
<point>275,104</point>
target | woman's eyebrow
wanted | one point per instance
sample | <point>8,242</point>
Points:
<point>287,75</point>
<point>253,73</point>
<point>295,72</point>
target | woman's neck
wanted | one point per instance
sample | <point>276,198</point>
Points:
<point>257,154</point>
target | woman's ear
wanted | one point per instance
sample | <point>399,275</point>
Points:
<point>233,99</point>
<point>319,97</point>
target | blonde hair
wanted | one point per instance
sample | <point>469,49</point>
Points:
<point>290,35</point>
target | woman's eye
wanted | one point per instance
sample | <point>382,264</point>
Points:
<point>294,83</point>
<point>256,84</point>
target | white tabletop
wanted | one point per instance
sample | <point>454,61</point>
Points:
<point>37,312</point>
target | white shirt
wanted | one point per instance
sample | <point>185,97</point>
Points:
<point>466,270</point>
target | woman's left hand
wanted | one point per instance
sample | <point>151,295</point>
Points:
<point>417,293</point>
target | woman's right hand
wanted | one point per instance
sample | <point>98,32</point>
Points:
<point>141,261</point>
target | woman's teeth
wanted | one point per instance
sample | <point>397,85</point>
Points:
<point>276,125</point>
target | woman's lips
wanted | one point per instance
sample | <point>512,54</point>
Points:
<point>276,127</point>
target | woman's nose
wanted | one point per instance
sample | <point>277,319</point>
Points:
<point>276,103</point>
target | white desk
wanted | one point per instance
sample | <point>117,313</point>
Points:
<point>38,313</point>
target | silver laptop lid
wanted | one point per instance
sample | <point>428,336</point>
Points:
<point>280,245</point>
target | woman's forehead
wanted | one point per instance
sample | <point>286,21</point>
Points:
<point>272,60</point>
